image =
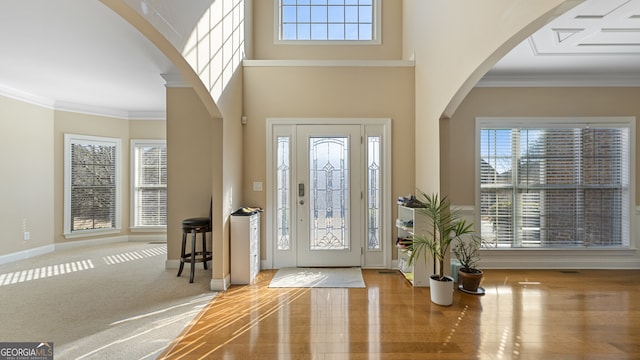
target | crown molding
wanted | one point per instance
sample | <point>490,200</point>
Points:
<point>560,80</point>
<point>91,110</point>
<point>174,80</point>
<point>80,108</point>
<point>26,97</point>
<point>328,63</point>
<point>147,115</point>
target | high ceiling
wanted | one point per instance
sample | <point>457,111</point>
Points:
<point>597,43</point>
<point>79,55</point>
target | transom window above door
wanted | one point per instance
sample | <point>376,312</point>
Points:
<point>328,21</point>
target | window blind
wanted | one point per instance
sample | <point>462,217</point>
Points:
<point>93,186</point>
<point>150,181</point>
<point>555,187</point>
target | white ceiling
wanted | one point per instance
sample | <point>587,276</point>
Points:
<point>597,43</point>
<point>79,55</point>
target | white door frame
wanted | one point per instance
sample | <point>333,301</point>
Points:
<point>371,127</point>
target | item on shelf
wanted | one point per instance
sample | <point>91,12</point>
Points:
<point>405,223</point>
<point>409,201</point>
<point>247,211</point>
<point>404,243</point>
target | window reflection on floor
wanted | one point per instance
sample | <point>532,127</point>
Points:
<point>75,266</point>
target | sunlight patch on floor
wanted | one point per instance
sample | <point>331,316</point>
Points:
<point>134,255</point>
<point>45,272</point>
<point>75,266</point>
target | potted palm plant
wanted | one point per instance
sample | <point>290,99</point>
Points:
<point>444,226</point>
<point>467,251</point>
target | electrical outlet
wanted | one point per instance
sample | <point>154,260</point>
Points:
<point>27,235</point>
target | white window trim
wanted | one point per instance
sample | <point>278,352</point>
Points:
<point>550,122</point>
<point>132,189</point>
<point>377,30</point>
<point>70,139</point>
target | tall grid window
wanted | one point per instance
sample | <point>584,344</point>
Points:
<point>92,166</point>
<point>328,20</point>
<point>149,179</point>
<point>555,186</point>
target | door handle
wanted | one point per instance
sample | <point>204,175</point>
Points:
<point>301,190</point>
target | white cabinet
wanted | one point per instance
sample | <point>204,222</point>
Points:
<point>245,248</point>
<point>411,221</point>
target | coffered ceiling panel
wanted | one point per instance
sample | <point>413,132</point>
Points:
<point>597,43</point>
<point>598,27</point>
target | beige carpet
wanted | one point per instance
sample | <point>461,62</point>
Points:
<point>318,277</point>
<point>113,301</point>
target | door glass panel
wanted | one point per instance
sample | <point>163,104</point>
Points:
<point>373,192</point>
<point>283,202</point>
<point>329,193</point>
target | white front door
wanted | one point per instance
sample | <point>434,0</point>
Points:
<point>328,205</point>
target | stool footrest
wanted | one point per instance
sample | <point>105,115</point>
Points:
<point>199,257</point>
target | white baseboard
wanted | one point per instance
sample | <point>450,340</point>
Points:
<point>559,259</point>
<point>29,253</point>
<point>148,238</point>
<point>606,263</point>
<point>26,254</point>
<point>221,284</point>
<point>81,243</point>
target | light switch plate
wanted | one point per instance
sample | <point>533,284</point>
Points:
<point>257,186</point>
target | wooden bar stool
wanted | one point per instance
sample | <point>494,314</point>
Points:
<point>194,226</point>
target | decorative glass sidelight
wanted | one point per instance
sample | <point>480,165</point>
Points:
<point>329,193</point>
<point>373,193</point>
<point>283,202</point>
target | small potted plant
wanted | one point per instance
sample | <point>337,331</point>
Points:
<point>444,226</point>
<point>467,251</point>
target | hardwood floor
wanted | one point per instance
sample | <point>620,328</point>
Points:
<point>534,314</point>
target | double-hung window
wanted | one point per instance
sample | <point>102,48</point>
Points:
<point>555,183</point>
<point>92,185</point>
<point>149,184</point>
<point>328,21</point>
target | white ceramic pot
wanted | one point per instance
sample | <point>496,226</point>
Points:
<point>441,291</point>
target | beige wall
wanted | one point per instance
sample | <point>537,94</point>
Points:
<point>148,129</point>
<point>33,183</point>
<point>94,125</point>
<point>458,159</point>
<point>454,43</point>
<point>231,148</point>
<point>189,162</point>
<point>265,49</point>
<point>458,134</point>
<point>321,92</point>
<point>26,184</point>
<point>449,60</point>
<point>204,161</point>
